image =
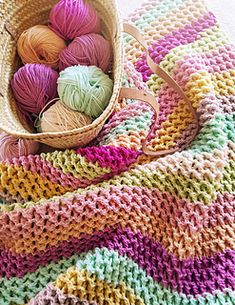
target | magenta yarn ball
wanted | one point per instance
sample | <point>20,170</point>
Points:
<point>72,18</point>
<point>34,85</point>
<point>87,50</point>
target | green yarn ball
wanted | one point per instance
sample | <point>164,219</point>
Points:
<point>85,89</point>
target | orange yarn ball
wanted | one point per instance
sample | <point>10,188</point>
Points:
<point>40,45</point>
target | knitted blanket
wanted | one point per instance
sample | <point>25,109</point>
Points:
<point>106,224</point>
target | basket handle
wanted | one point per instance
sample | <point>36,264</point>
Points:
<point>150,99</point>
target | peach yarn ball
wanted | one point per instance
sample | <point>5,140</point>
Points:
<point>61,118</point>
<point>40,45</point>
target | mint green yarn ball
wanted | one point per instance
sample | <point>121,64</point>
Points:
<point>85,89</point>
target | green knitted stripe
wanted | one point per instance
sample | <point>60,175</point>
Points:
<point>137,123</point>
<point>174,184</point>
<point>221,128</point>
<point>102,262</point>
<point>227,183</point>
<point>72,163</point>
<point>109,266</point>
<point>21,290</point>
<point>151,15</point>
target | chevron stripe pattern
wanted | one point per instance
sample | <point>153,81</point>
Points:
<point>106,224</point>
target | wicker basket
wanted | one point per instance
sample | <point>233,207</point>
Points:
<point>15,17</point>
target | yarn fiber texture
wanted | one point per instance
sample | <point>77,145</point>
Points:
<point>11,147</point>
<point>40,45</point>
<point>88,50</point>
<point>33,86</point>
<point>105,224</point>
<point>60,118</point>
<point>73,18</point>
<point>85,89</point>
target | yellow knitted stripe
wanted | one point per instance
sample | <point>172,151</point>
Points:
<point>202,82</point>
<point>198,86</point>
<point>17,182</point>
<point>86,286</point>
<point>155,174</point>
<point>172,128</point>
<point>224,83</point>
<point>165,138</point>
<point>72,163</point>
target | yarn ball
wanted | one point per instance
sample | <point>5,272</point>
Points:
<point>60,118</point>
<point>88,50</point>
<point>40,45</point>
<point>72,18</point>
<point>85,89</point>
<point>33,86</point>
<point>11,147</point>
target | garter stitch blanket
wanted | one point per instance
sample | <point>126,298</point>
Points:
<point>107,225</point>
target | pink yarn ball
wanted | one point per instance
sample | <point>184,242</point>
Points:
<point>11,147</point>
<point>72,18</point>
<point>88,50</point>
<point>34,85</point>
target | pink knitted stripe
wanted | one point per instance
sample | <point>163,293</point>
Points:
<point>165,268</point>
<point>219,60</point>
<point>45,169</point>
<point>168,101</point>
<point>180,214</point>
<point>116,158</point>
<point>183,36</point>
